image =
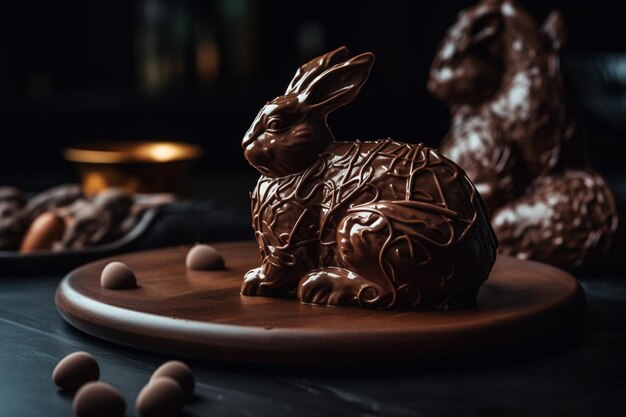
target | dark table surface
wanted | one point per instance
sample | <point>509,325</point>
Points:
<point>585,377</point>
<point>577,375</point>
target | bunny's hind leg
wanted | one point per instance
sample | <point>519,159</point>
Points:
<point>358,278</point>
<point>340,287</point>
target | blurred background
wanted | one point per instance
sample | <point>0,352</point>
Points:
<point>199,70</point>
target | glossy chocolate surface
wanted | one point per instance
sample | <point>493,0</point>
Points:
<point>379,224</point>
<point>514,135</point>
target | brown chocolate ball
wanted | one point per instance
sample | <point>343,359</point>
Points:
<point>75,370</point>
<point>162,397</point>
<point>204,258</point>
<point>99,399</point>
<point>117,276</point>
<point>180,372</point>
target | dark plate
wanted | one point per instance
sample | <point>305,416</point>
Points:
<point>167,225</point>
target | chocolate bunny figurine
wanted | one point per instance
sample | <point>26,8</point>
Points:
<point>513,133</point>
<point>379,224</point>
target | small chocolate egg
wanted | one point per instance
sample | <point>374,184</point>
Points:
<point>179,372</point>
<point>162,397</point>
<point>204,258</point>
<point>117,276</point>
<point>46,229</point>
<point>75,370</point>
<point>98,399</point>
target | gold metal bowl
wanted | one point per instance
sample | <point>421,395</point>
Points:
<point>138,167</point>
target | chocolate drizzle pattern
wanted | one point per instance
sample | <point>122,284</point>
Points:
<point>513,133</point>
<point>378,224</point>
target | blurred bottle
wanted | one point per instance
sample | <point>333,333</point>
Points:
<point>163,39</point>
<point>207,52</point>
<point>239,23</point>
<point>183,43</point>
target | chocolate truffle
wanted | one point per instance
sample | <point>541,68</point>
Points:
<point>89,225</point>
<point>75,370</point>
<point>117,276</point>
<point>59,196</point>
<point>98,399</point>
<point>180,372</point>
<point>162,397</point>
<point>9,193</point>
<point>379,224</point>
<point>204,258</point>
<point>116,201</point>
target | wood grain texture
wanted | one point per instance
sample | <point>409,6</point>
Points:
<point>202,315</point>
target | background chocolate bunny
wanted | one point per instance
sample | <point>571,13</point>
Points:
<point>499,75</point>
<point>378,224</point>
<point>513,133</point>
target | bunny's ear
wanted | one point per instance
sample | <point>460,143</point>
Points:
<point>486,25</point>
<point>340,84</point>
<point>554,30</point>
<point>307,72</point>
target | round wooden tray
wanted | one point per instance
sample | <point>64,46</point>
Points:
<point>202,314</point>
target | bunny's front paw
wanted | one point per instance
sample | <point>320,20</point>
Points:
<point>340,287</point>
<point>252,283</point>
<point>256,282</point>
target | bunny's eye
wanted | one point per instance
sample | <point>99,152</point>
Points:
<point>275,124</point>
